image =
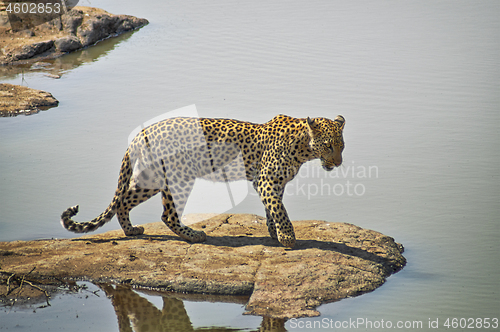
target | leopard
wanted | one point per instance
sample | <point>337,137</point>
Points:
<point>136,313</point>
<point>168,156</point>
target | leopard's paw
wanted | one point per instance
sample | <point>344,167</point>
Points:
<point>198,236</point>
<point>286,240</point>
<point>137,230</point>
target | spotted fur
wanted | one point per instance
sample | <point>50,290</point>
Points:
<point>169,155</point>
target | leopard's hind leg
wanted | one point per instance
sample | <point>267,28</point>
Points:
<point>174,199</point>
<point>131,199</point>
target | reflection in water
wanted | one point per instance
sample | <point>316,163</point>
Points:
<point>57,67</point>
<point>136,313</point>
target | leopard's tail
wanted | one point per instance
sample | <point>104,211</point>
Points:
<point>107,215</point>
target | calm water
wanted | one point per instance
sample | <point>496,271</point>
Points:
<point>418,83</point>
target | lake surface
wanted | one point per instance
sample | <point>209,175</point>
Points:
<point>417,81</point>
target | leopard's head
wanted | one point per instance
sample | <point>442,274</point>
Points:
<point>326,141</point>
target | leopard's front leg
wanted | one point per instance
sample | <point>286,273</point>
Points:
<point>271,227</point>
<point>271,196</point>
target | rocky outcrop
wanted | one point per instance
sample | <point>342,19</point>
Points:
<point>29,51</point>
<point>79,28</point>
<point>98,25</point>
<point>68,44</point>
<point>329,262</point>
<point>16,99</point>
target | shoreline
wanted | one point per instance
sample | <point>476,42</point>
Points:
<point>238,258</point>
<point>79,28</point>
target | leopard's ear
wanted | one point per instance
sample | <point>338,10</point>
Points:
<point>312,127</point>
<point>340,120</point>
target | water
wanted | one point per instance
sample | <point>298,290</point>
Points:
<point>418,83</point>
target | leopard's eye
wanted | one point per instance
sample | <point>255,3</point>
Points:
<point>329,145</point>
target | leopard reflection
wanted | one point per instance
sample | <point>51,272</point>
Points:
<point>136,313</point>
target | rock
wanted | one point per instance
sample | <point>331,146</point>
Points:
<point>95,29</point>
<point>72,20</point>
<point>68,44</point>
<point>80,27</point>
<point>53,76</point>
<point>103,26</point>
<point>30,50</point>
<point>126,23</point>
<point>16,99</point>
<point>330,261</point>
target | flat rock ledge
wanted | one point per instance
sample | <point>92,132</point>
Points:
<point>330,261</point>
<point>78,28</point>
<point>16,99</point>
